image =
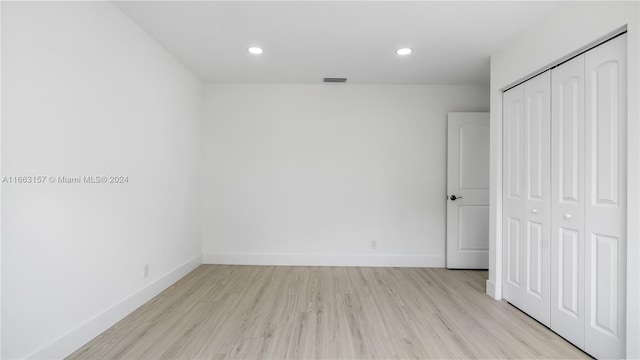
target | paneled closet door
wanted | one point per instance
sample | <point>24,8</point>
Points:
<point>564,199</point>
<point>567,192</point>
<point>513,195</point>
<point>605,212</point>
<point>535,259</point>
<point>527,196</point>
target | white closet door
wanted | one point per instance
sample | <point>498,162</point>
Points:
<point>535,261</point>
<point>513,194</point>
<point>567,192</point>
<point>564,208</point>
<point>605,213</point>
<point>526,204</point>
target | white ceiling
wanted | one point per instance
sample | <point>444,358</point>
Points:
<point>305,41</point>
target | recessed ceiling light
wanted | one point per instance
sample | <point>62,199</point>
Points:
<point>404,51</point>
<point>255,50</point>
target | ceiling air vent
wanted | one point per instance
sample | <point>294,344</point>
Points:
<point>335,80</point>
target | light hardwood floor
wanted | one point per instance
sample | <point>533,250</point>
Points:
<point>264,312</point>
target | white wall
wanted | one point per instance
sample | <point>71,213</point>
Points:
<point>572,27</point>
<point>0,183</point>
<point>311,174</point>
<point>86,92</point>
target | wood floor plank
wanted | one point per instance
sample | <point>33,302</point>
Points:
<point>265,312</point>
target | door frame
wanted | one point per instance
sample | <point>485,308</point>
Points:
<point>470,117</point>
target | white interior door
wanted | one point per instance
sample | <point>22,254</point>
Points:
<point>468,191</point>
<point>605,212</point>
<point>527,197</point>
<point>564,211</point>
<point>535,261</point>
<point>567,191</point>
<point>512,194</point>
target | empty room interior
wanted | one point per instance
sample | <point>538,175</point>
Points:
<point>320,179</point>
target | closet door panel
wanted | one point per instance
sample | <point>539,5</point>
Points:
<point>537,197</point>
<point>567,210</point>
<point>605,212</point>
<point>513,147</point>
<point>513,194</point>
<point>569,271</point>
<point>527,210</point>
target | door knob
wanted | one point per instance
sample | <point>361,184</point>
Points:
<point>567,216</point>
<point>534,211</point>
<point>454,198</point>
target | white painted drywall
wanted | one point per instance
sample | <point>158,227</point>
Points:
<point>312,174</point>
<point>87,92</point>
<point>0,183</point>
<point>570,28</point>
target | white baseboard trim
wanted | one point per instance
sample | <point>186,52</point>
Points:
<point>494,290</point>
<point>76,338</point>
<point>323,260</point>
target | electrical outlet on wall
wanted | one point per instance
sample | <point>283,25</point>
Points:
<point>374,244</point>
<point>146,270</point>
